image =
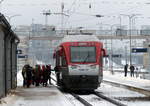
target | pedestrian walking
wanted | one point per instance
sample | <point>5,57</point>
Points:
<point>125,70</point>
<point>137,72</point>
<point>132,68</point>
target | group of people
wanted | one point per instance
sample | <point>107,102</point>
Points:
<point>132,69</point>
<point>37,75</point>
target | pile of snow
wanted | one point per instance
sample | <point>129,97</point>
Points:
<point>39,62</point>
<point>19,78</point>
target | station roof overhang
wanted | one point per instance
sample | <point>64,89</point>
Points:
<point>6,27</point>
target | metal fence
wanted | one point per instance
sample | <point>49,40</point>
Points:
<point>8,58</point>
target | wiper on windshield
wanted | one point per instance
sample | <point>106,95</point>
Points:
<point>86,58</point>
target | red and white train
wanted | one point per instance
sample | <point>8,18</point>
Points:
<point>79,62</point>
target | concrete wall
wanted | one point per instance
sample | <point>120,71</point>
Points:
<point>8,58</point>
<point>8,64</point>
<point>14,66</point>
<point>2,65</point>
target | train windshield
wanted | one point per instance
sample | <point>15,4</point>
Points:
<point>83,54</point>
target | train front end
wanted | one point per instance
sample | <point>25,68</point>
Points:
<point>84,65</point>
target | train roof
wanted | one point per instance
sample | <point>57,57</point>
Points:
<point>79,38</point>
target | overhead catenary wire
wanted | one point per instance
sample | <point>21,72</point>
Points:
<point>78,13</point>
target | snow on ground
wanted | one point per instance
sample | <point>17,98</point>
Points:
<point>19,78</point>
<point>125,96</point>
<point>50,96</point>
<point>35,96</point>
<point>132,81</point>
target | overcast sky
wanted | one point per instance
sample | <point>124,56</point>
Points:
<point>80,12</point>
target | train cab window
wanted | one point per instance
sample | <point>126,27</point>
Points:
<point>83,54</point>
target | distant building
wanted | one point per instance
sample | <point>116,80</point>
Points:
<point>35,49</point>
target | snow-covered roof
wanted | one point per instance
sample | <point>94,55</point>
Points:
<point>79,38</point>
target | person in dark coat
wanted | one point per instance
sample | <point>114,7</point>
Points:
<point>37,75</point>
<point>33,76</point>
<point>48,68</point>
<point>57,74</point>
<point>29,76</point>
<point>43,74</point>
<point>132,68</point>
<point>24,69</point>
<point>125,70</point>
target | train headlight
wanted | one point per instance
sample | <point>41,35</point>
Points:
<point>93,66</point>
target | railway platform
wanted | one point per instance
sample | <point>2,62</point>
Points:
<point>36,96</point>
<point>132,83</point>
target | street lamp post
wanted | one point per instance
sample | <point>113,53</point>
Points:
<point>130,28</point>
<point>111,48</point>
<point>10,17</point>
<point>1,3</point>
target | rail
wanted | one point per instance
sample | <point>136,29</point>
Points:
<point>86,103</point>
<point>117,103</point>
<point>81,100</point>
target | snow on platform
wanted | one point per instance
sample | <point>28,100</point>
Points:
<point>130,81</point>
<point>36,96</point>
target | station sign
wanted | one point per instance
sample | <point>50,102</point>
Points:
<point>22,56</point>
<point>139,50</point>
<point>114,55</point>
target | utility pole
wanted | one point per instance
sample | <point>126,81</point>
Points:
<point>126,54</point>
<point>120,25</point>
<point>62,17</point>
<point>46,13</point>
<point>111,42</point>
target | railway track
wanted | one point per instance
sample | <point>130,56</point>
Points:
<point>83,101</point>
<point>97,97</point>
<point>96,93</point>
<point>108,99</point>
<point>117,103</point>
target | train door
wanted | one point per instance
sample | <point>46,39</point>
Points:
<point>61,65</point>
<point>57,67</point>
<point>102,54</point>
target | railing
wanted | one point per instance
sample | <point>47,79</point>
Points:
<point>94,32</point>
